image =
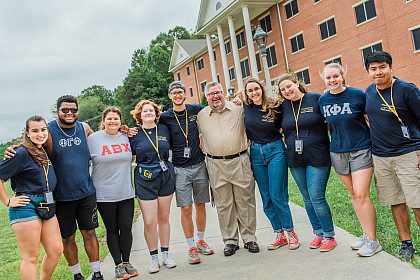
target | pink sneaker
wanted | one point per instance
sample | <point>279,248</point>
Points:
<point>328,244</point>
<point>316,243</point>
<point>293,240</point>
<point>281,240</point>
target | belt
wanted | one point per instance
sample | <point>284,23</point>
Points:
<point>229,156</point>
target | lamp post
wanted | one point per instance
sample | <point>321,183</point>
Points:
<point>231,91</point>
<point>260,39</point>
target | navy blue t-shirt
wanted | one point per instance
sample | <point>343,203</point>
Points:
<point>385,128</point>
<point>177,137</point>
<point>144,151</point>
<point>70,158</point>
<point>261,129</point>
<point>344,113</point>
<point>26,175</point>
<point>312,130</point>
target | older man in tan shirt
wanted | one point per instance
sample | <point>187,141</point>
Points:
<point>225,143</point>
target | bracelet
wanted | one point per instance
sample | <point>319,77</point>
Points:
<point>8,203</point>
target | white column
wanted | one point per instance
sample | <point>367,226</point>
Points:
<point>250,42</point>
<point>236,60</point>
<point>211,56</point>
<point>223,55</point>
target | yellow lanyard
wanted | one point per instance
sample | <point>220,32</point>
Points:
<point>48,169</point>
<point>157,143</point>
<point>186,125</point>
<point>297,117</point>
<point>392,109</point>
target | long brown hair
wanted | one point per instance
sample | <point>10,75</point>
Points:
<point>269,104</point>
<point>37,155</point>
<point>139,107</point>
<point>105,112</point>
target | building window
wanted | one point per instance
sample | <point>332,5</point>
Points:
<point>188,70</point>
<point>416,38</point>
<point>218,78</point>
<point>245,68</point>
<point>218,5</point>
<point>327,29</point>
<point>240,39</point>
<point>231,73</point>
<point>265,23</point>
<point>257,57</point>
<point>334,60</point>
<point>297,43</point>
<point>227,47</point>
<point>365,11</point>
<point>291,8</point>
<point>304,76</point>
<point>191,92</point>
<point>179,76</point>
<point>203,86</point>
<point>271,56</point>
<point>316,1</point>
<point>368,50</point>
<point>214,55</point>
<point>200,63</point>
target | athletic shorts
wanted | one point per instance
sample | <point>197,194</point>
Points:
<point>191,181</point>
<point>27,212</point>
<point>397,179</point>
<point>348,162</point>
<point>162,185</point>
<point>83,210</point>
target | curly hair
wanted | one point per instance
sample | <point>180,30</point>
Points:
<point>139,107</point>
<point>269,104</point>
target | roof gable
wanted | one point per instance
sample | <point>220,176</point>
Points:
<point>185,49</point>
<point>210,9</point>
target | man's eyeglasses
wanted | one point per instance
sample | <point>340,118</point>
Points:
<point>212,94</point>
<point>175,93</point>
<point>66,110</point>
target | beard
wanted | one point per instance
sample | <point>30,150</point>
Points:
<point>68,123</point>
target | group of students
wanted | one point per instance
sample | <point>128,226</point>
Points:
<point>389,132</point>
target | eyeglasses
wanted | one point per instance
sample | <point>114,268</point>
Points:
<point>175,93</point>
<point>212,94</point>
<point>66,110</point>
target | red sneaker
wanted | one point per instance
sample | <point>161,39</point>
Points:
<point>328,244</point>
<point>316,243</point>
<point>293,240</point>
<point>281,240</point>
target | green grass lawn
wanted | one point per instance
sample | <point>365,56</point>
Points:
<point>344,216</point>
<point>10,253</point>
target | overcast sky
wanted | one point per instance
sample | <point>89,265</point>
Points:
<point>52,48</point>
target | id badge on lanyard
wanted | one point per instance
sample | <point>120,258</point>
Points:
<point>187,152</point>
<point>48,197</point>
<point>299,146</point>
<point>405,131</point>
<point>163,165</point>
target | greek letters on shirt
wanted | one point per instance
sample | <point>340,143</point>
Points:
<point>68,142</point>
<point>116,149</point>
<point>336,109</point>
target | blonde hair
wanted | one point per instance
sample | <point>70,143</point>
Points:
<point>139,107</point>
<point>336,66</point>
<point>269,104</point>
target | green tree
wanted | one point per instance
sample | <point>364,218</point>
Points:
<point>90,110</point>
<point>105,95</point>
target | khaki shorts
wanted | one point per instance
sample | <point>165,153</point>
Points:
<point>397,179</point>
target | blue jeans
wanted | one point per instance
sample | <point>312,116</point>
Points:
<point>312,183</point>
<point>268,162</point>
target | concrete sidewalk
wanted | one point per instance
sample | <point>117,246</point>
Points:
<point>302,263</point>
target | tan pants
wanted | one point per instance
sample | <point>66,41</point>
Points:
<point>233,188</point>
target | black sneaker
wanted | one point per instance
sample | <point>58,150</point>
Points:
<point>79,276</point>
<point>407,251</point>
<point>97,276</point>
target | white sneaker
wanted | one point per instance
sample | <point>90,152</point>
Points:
<point>359,243</point>
<point>167,261</point>
<point>154,266</point>
<point>370,248</point>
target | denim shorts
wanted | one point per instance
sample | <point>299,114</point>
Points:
<point>27,212</point>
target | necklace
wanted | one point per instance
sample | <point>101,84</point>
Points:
<point>180,115</point>
<point>75,128</point>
